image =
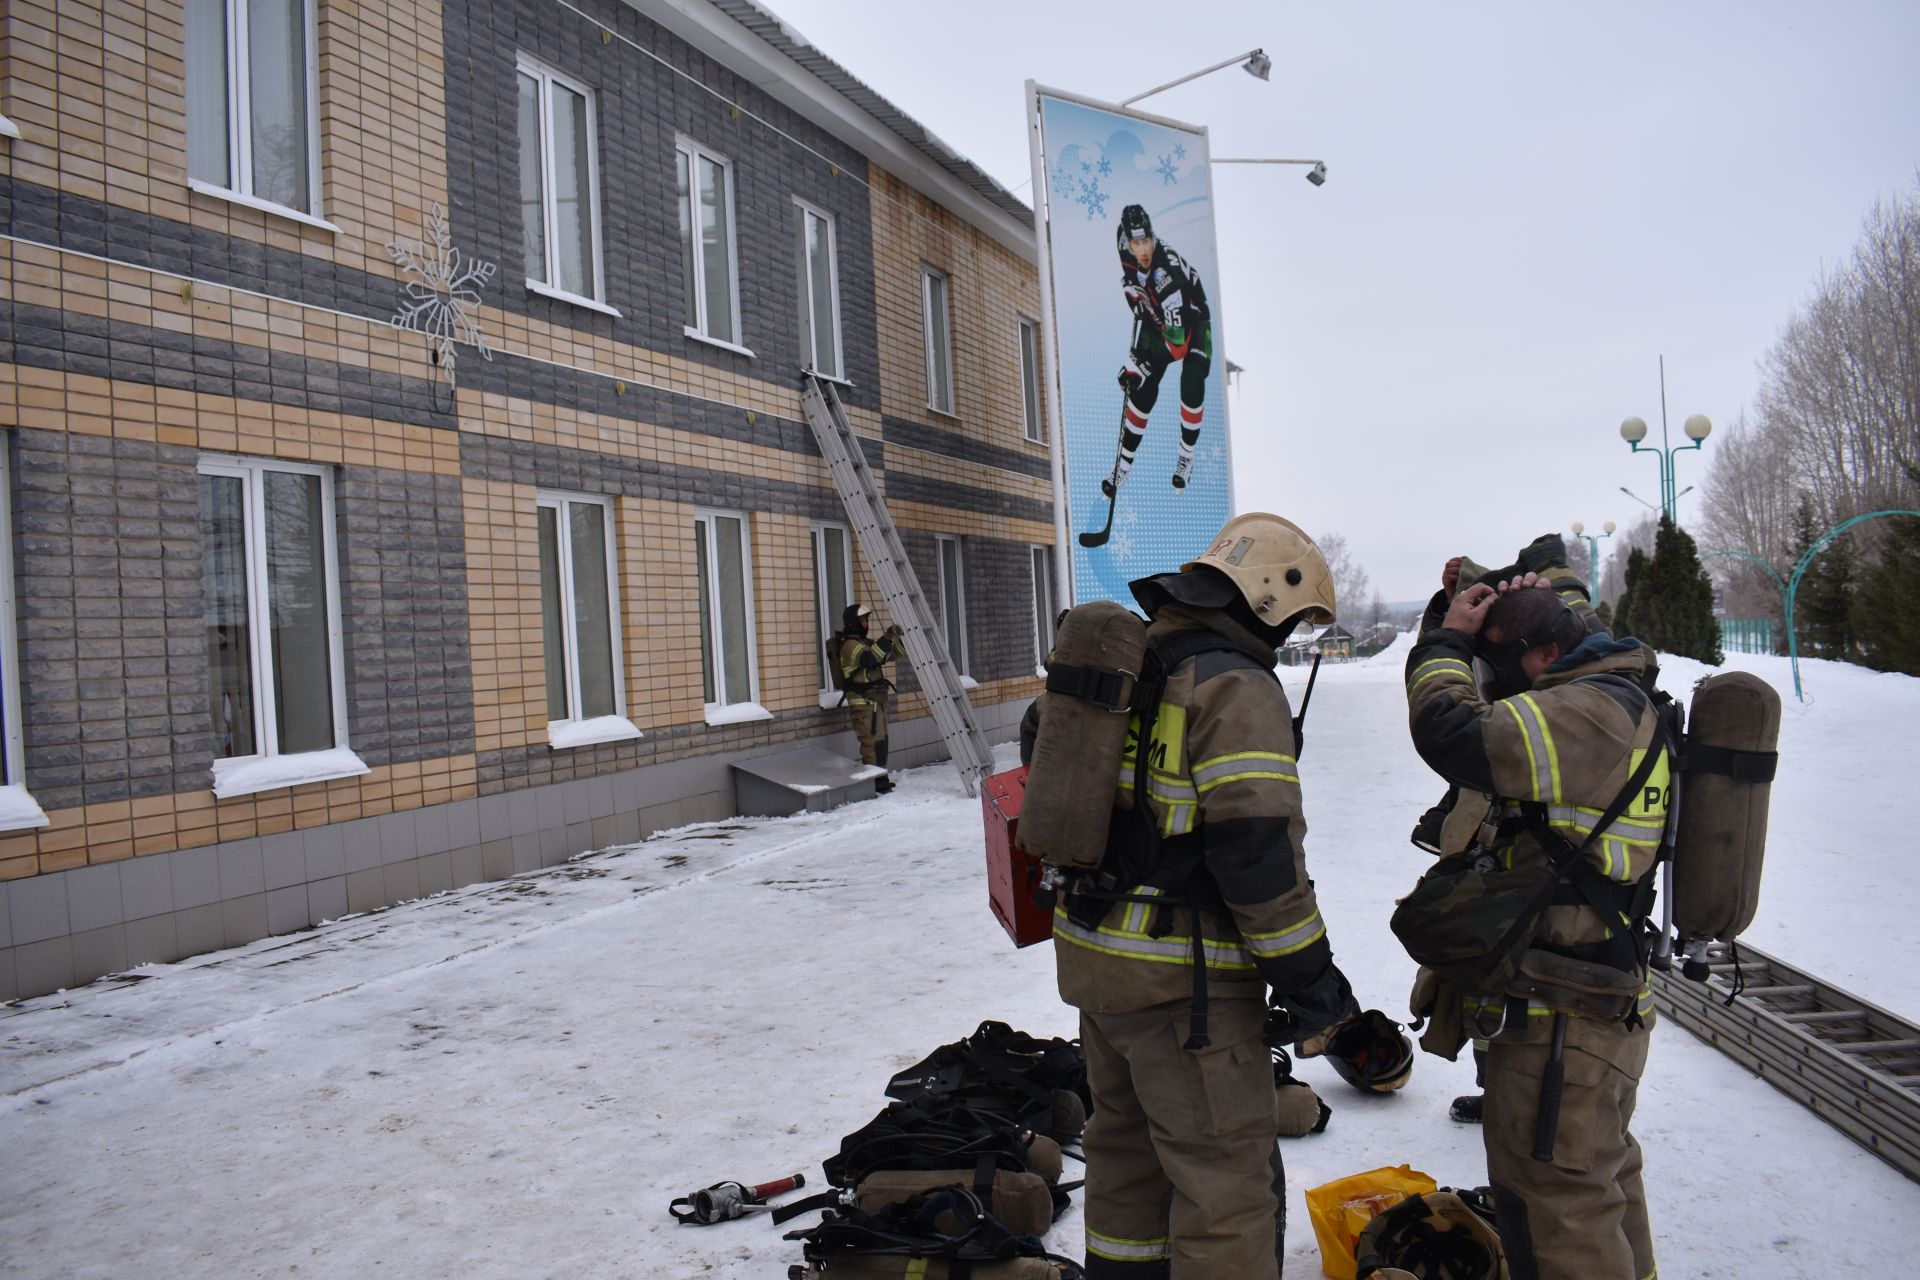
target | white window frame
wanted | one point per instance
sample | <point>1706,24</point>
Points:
<point>1041,559</point>
<point>269,768</point>
<point>1033,421</point>
<point>928,275</point>
<point>829,625</point>
<point>940,541</point>
<point>549,195</point>
<point>18,810</point>
<point>695,152</point>
<point>238,187</point>
<point>724,712</point>
<point>839,371</point>
<point>575,731</point>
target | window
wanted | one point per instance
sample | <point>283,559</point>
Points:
<point>953,601</point>
<point>1035,424</point>
<point>934,314</point>
<point>725,566</point>
<point>832,588</point>
<point>275,676</point>
<point>559,184</point>
<point>706,244</point>
<point>17,809</point>
<point>252,101</point>
<point>819,294</point>
<point>580,622</point>
<point>1042,604</point>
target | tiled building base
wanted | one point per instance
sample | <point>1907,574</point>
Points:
<point>66,928</point>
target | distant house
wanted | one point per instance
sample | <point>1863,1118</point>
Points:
<point>1334,643</point>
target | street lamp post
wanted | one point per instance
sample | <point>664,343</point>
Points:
<point>1593,553</point>
<point>1634,430</point>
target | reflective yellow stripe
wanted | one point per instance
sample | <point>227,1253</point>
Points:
<point>916,1269</point>
<point>1121,1249</point>
<point>1135,944</point>
<point>1249,777</point>
<point>1287,941</point>
<point>1533,765</point>
<point>1442,667</point>
<point>1547,788</point>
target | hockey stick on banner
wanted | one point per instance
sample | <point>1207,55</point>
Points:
<point>1098,537</point>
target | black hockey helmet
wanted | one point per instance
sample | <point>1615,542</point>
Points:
<point>1371,1053</point>
<point>1134,223</point>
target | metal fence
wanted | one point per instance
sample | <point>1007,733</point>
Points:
<point>1749,635</point>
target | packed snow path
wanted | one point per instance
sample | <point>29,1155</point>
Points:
<point>514,1079</point>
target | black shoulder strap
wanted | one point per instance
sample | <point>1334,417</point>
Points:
<point>1177,648</point>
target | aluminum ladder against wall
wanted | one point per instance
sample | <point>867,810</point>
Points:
<point>1851,1063</point>
<point>874,529</point>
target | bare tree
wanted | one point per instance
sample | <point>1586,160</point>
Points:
<point>1747,506</point>
<point>1350,582</point>
<point>1638,534</point>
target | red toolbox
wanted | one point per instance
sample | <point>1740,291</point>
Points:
<point>1013,874</point>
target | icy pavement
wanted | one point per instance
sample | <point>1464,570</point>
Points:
<point>514,1079</point>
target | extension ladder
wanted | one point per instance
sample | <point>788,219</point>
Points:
<point>874,529</point>
<point>1851,1063</point>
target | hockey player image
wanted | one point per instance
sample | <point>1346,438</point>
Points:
<point>1171,323</point>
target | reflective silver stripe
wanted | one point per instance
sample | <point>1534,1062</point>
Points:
<point>1259,763</point>
<point>1529,719</point>
<point>1124,1250</point>
<point>1288,941</point>
<point>1171,949</point>
<point>1180,818</point>
<point>1581,819</point>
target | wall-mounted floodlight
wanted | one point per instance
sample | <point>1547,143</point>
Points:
<point>1318,174</point>
<point>1257,64</point>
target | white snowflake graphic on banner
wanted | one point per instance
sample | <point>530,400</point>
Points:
<point>444,293</point>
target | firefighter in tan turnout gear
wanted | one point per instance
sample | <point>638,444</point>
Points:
<point>1563,734</point>
<point>1182,1162</point>
<point>862,671</point>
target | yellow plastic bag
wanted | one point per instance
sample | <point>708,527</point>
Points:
<point>1341,1210</point>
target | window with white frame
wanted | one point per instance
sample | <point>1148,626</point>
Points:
<point>819,293</point>
<point>953,600</point>
<point>275,672</point>
<point>832,587</point>
<point>559,183</point>
<point>17,808</point>
<point>580,621</point>
<point>936,316</point>
<point>724,562</point>
<point>1034,424</point>
<point>253,102</point>
<point>706,243</point>
<point>1042,604</point>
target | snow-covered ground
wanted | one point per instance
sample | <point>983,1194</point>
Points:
<point>514,1079</point>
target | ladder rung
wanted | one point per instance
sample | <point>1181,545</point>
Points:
<point>1826,1015</point>
<point>1798,989</point>
<point>1877,1046</point>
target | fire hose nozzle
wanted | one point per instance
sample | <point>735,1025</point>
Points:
<point>725,1201</point>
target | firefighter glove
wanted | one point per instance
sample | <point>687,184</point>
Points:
<point>1321,1004</point>
<point>1548,551</point>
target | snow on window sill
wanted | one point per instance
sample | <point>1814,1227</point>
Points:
<point>18,810</point>
<point>577,299</point>
<point>585,733</point>
<point>832,699</point>
<point>736,713</point>
<point>250,774</point>
<point>968,682</point>
<point>255,202</point>
<point>836,379</point>
<point>722,343</point>
<point>8,129</point>
<point>1041,671</point>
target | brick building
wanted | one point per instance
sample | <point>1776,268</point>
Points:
<point>298,619</point>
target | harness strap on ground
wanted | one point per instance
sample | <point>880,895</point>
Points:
<point>808,1204</point>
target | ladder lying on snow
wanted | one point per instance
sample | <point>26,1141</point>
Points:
<point>873,527</point>
<point>1851,1063</point>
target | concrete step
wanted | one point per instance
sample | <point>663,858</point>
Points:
<point>807,780</point>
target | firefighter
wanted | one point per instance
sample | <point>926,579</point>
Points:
<point>1183,1168</point>
<point>1569,717</point>
<point>862,664</point>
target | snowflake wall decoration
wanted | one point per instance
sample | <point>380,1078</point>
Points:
<point>1169,172</point>
<point>444,293</point>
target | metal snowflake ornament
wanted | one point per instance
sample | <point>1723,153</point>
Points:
<point>444,293</point>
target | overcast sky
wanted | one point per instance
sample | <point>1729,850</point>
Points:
<point>1527,205</point>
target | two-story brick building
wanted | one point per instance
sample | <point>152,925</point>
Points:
<point>297,620</point>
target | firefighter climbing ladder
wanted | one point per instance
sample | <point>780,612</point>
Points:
<point>1851,1063</point>
<point>873,528</point>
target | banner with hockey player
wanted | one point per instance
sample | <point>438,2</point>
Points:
<point>1127,245</point>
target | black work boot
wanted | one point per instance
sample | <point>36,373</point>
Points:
<point>883,784</point>
<point>1468,1109</point>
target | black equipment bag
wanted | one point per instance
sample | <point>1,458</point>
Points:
<point>1008,1075</point>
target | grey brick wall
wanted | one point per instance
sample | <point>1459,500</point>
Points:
<point>403,601</point>
<point>999,604</point>
<point>112,651</point>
